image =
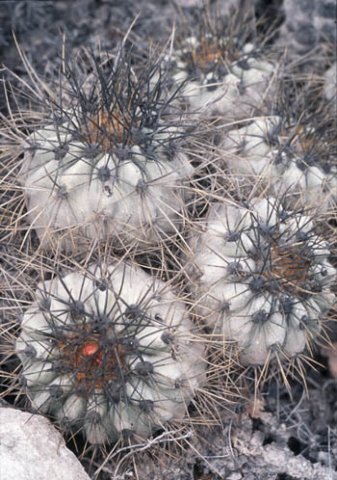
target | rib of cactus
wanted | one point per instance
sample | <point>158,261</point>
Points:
<point>74,188</point>
<point>286,160</point>
<point>218,81</point>
<point>262,277</point>
<point>110,352</point>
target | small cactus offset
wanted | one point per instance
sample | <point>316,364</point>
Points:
<point>262,277</point>
<point>226,76</point>
<point>110,351</point>
<point>285,157</point>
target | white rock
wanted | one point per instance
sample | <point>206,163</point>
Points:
<point>32,449</point>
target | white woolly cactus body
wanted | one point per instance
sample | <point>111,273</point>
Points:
<point>247,151</point>
<point>285,160</point>
<point>132,198</point>
<point>111,164</point>
<point>110,352</point>
<point>221,78</point>
<point>262,277</point>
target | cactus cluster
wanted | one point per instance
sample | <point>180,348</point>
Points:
<point>204,202</point>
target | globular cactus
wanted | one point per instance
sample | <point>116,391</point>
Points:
<point>108,162</point>
<point>221,73</point>
<point>286,157</point>
<point>262,278</point>
<point>109,351</point>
